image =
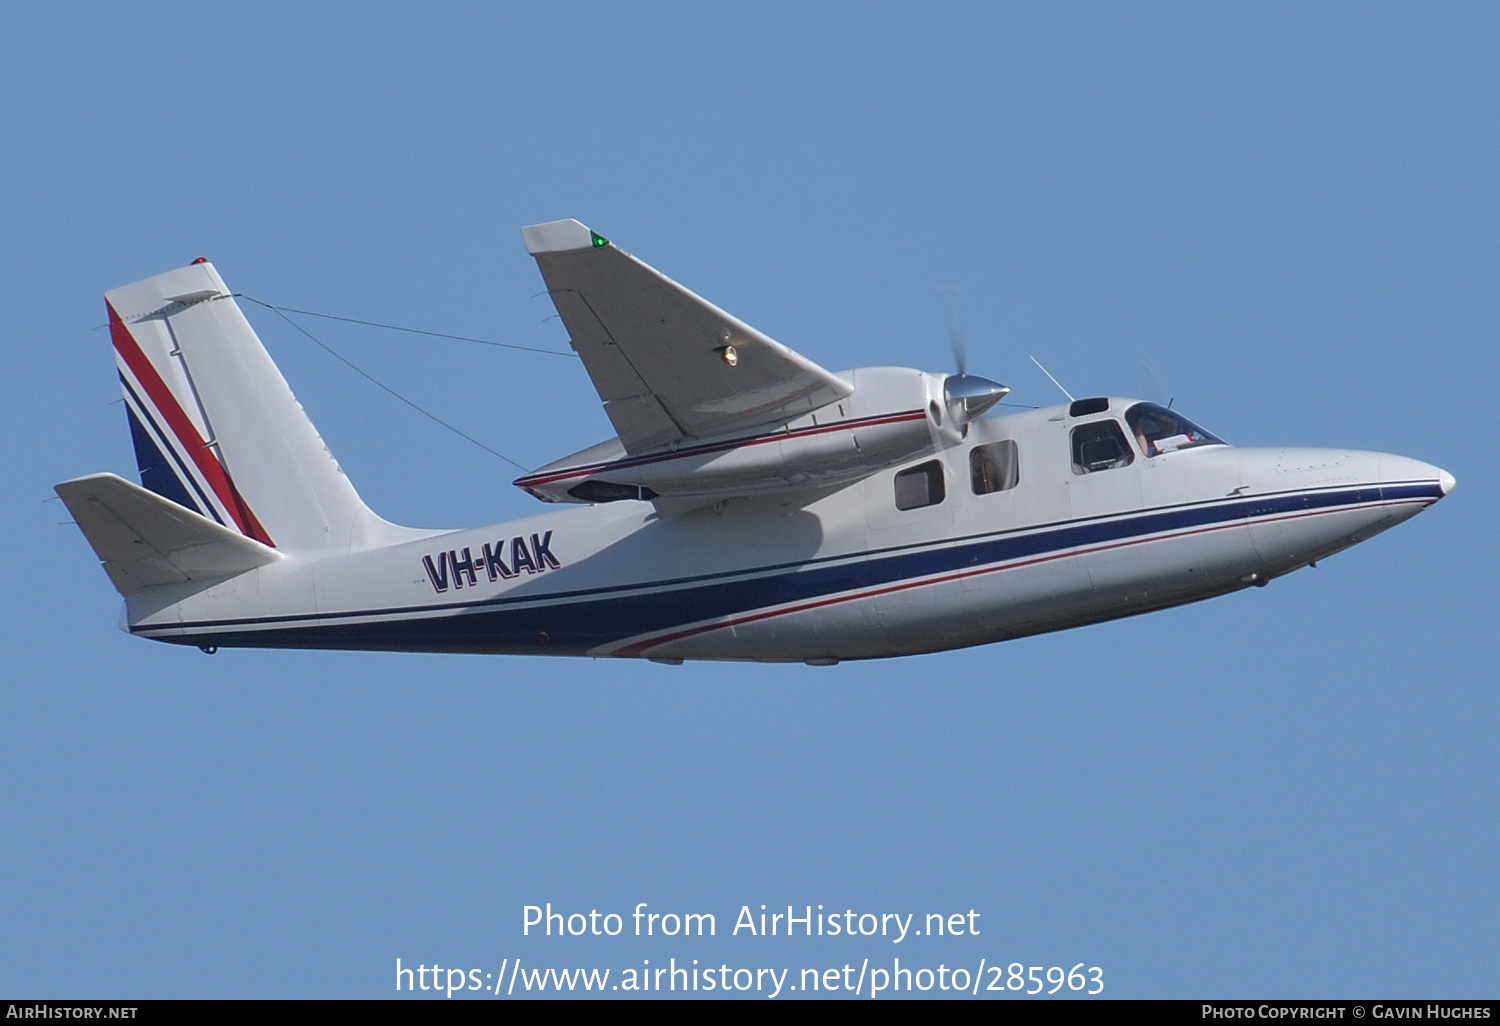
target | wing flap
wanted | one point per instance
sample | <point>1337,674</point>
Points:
<point>144,540</point>
<point>643,336</point>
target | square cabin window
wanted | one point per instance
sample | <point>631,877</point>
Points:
<point>994,467</point>
<point>1100,446</point>
<point>920,486</point>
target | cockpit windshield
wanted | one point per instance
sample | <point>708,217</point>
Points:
<point>1158,430</point>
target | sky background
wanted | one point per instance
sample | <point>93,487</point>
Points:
<point>1283,218</point>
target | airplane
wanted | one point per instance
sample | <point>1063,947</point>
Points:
<point>750,506</point>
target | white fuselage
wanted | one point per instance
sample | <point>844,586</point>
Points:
<point>835,574</point>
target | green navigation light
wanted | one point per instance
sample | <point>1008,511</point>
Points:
<point>599,240</point>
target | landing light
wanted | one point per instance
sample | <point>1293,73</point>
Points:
<point>729,355</point>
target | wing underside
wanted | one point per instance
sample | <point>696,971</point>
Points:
<point>668,365</point>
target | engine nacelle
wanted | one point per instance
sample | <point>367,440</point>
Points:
<point>893,415</point>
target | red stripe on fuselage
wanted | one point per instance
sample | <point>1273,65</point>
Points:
<point>639,648</point>
<point>188,437</point>
<point>631,462</point>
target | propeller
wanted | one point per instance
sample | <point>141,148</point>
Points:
<point>967,396</point>
<point>950,294</point>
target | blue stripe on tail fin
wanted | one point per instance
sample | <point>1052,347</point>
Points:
<point>157,474</point>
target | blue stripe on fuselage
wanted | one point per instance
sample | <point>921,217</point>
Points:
<point>580,621</point>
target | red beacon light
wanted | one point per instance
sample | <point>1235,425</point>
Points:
<point>201,260</point>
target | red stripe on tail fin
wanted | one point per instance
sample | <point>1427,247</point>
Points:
<point>187,434</point>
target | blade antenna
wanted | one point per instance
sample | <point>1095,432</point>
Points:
<point>1050,378</point>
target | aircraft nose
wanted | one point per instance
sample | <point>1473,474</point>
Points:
<point>1399,470</point>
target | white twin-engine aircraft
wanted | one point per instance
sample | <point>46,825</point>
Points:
<point>751,505</point>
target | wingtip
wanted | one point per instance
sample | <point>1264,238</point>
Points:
<point>561,236</point>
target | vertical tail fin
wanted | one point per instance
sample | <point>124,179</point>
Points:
<point>215,427</point>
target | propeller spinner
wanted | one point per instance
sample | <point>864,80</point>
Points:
<point>968,396</point>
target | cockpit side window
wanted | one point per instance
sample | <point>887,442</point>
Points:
<point>1100,446</point>
<point>920,486</point>
<point>994,467</point>
<point>1158,430</point>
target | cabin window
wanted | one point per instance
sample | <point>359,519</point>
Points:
<point>994,467</point>
<point>920,486</point>
<point>1084,407</point>
<point>1158,430</point>
<point>1100,446</point>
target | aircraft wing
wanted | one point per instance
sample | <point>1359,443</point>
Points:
<point>657,353</point>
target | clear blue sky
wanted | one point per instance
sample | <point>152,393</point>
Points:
<point>1284,218</point>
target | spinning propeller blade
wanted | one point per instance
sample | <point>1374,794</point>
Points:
<point>967,396</point>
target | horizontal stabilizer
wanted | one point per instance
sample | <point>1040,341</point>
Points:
<point>145,540</point>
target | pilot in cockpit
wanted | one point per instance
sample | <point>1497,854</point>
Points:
<point>1158,430</point>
